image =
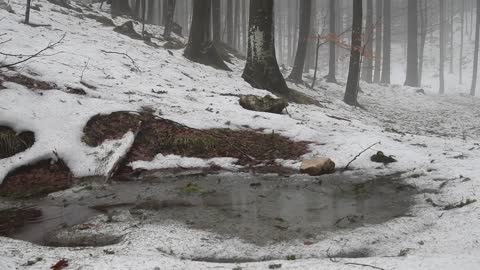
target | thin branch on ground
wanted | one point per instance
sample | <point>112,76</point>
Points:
<point>37,54</point>
<point>365,265</point>
<point>124,54</point>
<point>84,68</point>
<point>358,155</point>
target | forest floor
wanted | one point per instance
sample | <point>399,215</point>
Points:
<point>96,71</point>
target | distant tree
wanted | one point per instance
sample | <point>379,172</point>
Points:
<point>387,40</point>
<point>169,21</point>
<point>351,92</point>
<point>229,23</point>
<point>442,46</point>
<point>120,7</point>
<point>367,69</point>
<point>200,47</point>
<point>27,12</point>
<point>412,51</point>
<point>261,70</point>
<point>216,22</point>
<point>378,41</point>
<point>462,26</point>
<point>332,58</point>
<point>423,7</point>
<point>475,58</point>
<point>304,31</point>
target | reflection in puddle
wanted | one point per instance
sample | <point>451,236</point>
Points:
<point>257,209</point>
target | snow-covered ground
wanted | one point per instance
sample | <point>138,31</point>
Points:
<point>435,138</point>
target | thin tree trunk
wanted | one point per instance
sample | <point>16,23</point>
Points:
<point>387,40</point>
<point>169,23</point>
<point>332,58</point>
<point>452,34</point>
<point>412,50</point>
<point>27,12</point>
<point>442,46</point>
<point>367,69</point>
<point>216,21</point>
<point>460,65</point>
<point>475,58</point>
<point>304,30</point>
<point>423,36</point>
<point>229,19</point>
<point>351,92</point>
<point>378,41</point>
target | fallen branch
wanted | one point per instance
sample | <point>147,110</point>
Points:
<point>358,155</point>
<point>339,118</point>
<point>365,265</point>
<point>124,54</point>
<point>50,46</point>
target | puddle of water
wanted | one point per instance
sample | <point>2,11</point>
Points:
<point>260,210</point>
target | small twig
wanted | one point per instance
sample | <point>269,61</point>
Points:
<point>50,46</point>
<point>365,265</point>
<point>339,118</point>
<point>131,59</point>
<point>84,68</point>
<point>358,155</point>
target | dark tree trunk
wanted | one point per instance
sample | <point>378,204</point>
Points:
<point>216,21</point>
<point>351,92</point>
<point>442,46</point>
<point>378,41</point>
<point>412,50</point>
<point>169,23</point>
<point>261,69</point>
<point>164,12</point>
<point>120,7</point>
<point>151,11</point>
<point>387,40</point>
<point>367,69</point>
<point>229,19</point>
<point>304,31</point>
<point>423,36</point>
<point>200,47</point>
<point>332,58</point>
<point>27,12</point>
<point>460,66</point>
<point>452,33</point>
<point>475,58</point>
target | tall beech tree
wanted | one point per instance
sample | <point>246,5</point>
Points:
<point>367,69</point>
<point>412,51</point>
<point>304,31</point>
<point>378,41</point>
<point>475,57</point>
<point>261,70</point>
<point>442,46</point>
<point>332,58</point>
<point>351,92</point>
<point>387,40</point>
<point>200,47</point>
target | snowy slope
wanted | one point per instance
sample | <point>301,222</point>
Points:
<point>425,133</point>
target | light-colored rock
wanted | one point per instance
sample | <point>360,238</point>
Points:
<point>317,166</point>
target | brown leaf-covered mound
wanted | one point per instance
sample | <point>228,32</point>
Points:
<point>161,136</point>
<point>37,179</point>
<point>28,82</point>
<point>12,143</point>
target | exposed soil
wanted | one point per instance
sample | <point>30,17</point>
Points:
<point>162,136</point>
<point>28,82</point>
<point>38,179</point>
<point>12,143</point>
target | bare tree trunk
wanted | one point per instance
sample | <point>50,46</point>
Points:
<point>229,19</point>
<point>304,30</point>
<point>216,22</point>
<point>367,69</point>
<point>475,58</point>
<point>332,58</point>
<point>412,50</point>
<point>442,46</point>
<point>452,34</point>
<point>351,92</point>
<point>378,41</point>
<point>120,7</point>
<point>387,40</point>
<point>423,4</point>
<point>460,66</point>
<point>200,47</point>
<point>27,12</point>
<point>169,23</point>
<point>261,69</point>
